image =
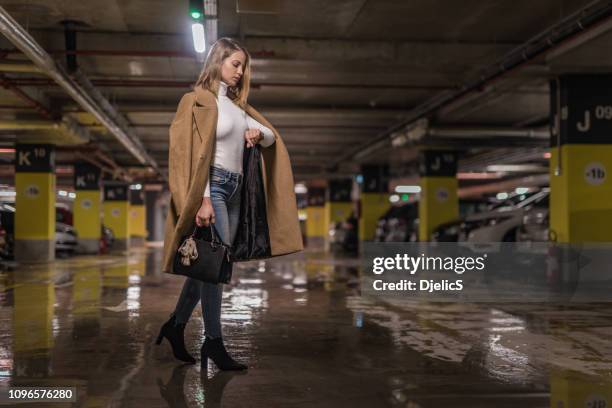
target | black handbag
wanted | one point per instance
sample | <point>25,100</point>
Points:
<point>252,239</point>
<point>207,260</point>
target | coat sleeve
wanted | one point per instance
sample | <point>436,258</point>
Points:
<point>179,153</point>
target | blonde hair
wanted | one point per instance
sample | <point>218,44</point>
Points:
<point>211,73</point>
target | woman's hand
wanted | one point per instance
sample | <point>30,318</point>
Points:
<point>205,215</point>
<point>252,137</point>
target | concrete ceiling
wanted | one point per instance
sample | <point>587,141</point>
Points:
<point>331,75</point>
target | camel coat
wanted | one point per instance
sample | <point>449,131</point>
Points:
<point>191,150</point>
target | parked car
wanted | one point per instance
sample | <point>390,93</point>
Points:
<point>503,222</point>
<point>66,239</point>
<point>401,224</point>
<point>65,235</point>
<point>397,224</point>
<point>448,232</point>
<point>535,226</point>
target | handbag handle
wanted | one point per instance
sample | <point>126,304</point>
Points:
<point>216,239</point>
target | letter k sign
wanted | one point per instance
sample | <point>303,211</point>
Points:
<point>80,181</point>
<point>24,159</point>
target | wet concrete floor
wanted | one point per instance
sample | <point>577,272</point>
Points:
<point>309,337</point>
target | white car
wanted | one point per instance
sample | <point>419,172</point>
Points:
<point>504,221</point>
<point>66,239</point>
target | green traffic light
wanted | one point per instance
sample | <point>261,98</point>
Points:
<point>405,197</point>
<point>196,14</point>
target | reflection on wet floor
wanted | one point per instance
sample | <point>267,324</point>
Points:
<point>310,339</point>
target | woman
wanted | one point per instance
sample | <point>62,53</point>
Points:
<point>212,126</point>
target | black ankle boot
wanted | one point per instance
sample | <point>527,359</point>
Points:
<point>215,350</point>
<point>175,335</point>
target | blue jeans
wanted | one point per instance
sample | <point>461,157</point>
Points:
<point>225,196</point>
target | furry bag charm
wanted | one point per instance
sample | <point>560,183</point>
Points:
<point>188,251</point>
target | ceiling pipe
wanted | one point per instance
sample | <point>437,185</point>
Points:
<point>22,40</point>
<point>596,16</point>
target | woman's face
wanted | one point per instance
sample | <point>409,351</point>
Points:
<point>232,68</point>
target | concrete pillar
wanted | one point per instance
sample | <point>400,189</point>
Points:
<point>34,203</point>
<point>581,159</point>
<point>438,202</point>
<point>374,199</point>
<point>338,204</point>
<point>315,217</point>
<point>116,213</point>
<point>138,218</point>
<point>87,207</point>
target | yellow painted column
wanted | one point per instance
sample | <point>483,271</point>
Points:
<point>581,159</point>
<point>338,206</point>
<point>374,199</point>
<point>438,201</point>
<point>138,218</point>
<point>569,390</point>
<point>315,217</point>
<point>87,207</point>
<point>34,202</point>
<point>116,213</point>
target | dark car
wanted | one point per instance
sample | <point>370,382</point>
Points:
<point>452,231</point>
<point>397,224</point>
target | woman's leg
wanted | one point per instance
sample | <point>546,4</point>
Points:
<point>187,301</point>
<point>212,294</point>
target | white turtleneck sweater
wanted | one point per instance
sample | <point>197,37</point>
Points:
<point>232,123</point>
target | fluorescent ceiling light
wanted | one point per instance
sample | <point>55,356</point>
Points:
<point>521,190</point>
<point>408,189</point>
<point>502,196</point>
<point>199,41</point>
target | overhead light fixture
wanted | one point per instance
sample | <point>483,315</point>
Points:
<point>408,189</point>
<point>199,41</point>
<point>521,190</point>
<point>196,11</point>
<point>501,196</point>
